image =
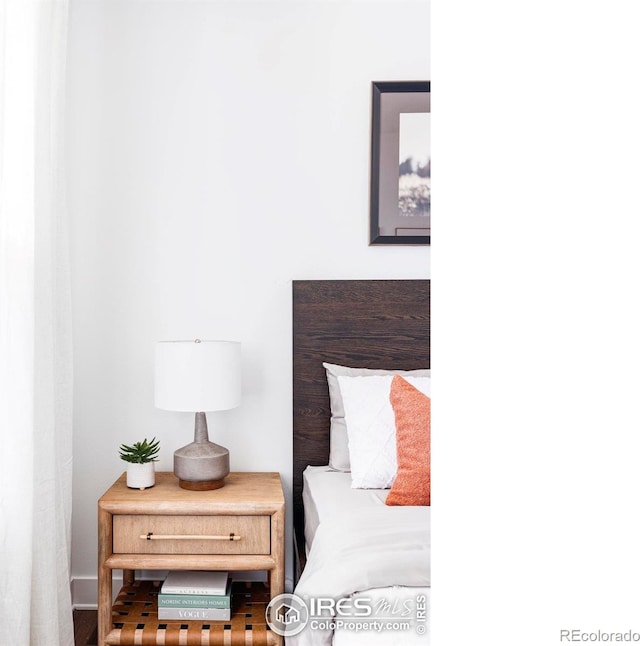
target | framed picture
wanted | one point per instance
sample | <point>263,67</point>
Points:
<point>401,163</point>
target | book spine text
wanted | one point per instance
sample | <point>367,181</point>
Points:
<point>214,614</point>
<point>193,600</point>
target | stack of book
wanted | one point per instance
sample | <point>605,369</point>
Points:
<point>193,594</point>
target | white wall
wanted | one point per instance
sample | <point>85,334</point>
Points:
<point>217,151</point>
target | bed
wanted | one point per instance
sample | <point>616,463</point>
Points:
<point>349,544</point>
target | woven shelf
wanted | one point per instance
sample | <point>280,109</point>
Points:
<point>135,620</point>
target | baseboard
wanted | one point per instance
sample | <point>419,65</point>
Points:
<point>84,591</point>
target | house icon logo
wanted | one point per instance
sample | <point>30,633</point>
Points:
<point>287,614</point>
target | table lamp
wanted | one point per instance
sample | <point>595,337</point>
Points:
<point>198,376</point>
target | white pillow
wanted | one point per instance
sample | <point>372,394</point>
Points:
<point>339,443</point>
<point>371,428</point>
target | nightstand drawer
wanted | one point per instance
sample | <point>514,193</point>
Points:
<point>146,534</point>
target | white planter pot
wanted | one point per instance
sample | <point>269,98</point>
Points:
<point>141,476</point>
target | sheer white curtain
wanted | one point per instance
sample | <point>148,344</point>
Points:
<point>35,344</point>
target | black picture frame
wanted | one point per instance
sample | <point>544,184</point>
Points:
<point>390,99</point>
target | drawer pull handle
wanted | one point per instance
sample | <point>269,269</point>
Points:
<point>150,536</point>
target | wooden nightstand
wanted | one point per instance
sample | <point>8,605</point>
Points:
<point>237,527</point>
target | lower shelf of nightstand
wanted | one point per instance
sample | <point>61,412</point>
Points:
<point>135,620</point>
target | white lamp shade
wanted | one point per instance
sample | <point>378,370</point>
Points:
<point>197,376</point>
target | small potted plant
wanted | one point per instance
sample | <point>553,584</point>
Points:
<point>140,460</point>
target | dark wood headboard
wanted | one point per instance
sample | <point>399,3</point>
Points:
<point>358,323</point>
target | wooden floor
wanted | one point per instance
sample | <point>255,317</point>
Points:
<point>85,625</point>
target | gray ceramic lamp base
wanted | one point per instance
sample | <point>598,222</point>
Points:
<point>201,465</point>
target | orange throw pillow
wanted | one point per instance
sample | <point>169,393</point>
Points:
<point>412,410</point>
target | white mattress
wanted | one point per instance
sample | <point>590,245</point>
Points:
<point>327,493</point>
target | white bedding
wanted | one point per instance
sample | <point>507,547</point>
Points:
<point>327,493</point>
<point>362,549</point>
